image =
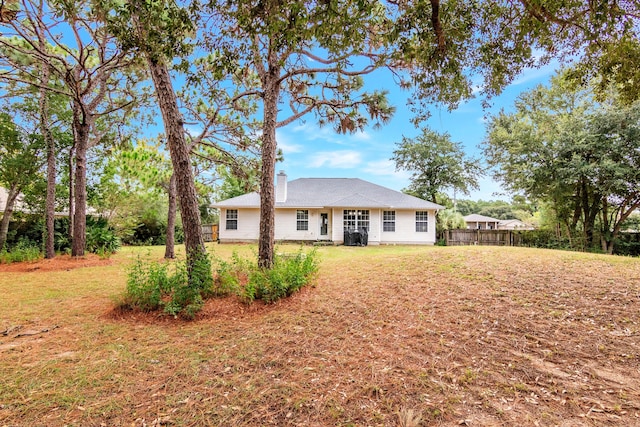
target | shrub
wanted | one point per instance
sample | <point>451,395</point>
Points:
<point>24,250</point>
<point>147,283</point>
<point>289,274</point>
<point>101,239</point>
<point>151,286</point>
<point>627,244</point>
<point>189,291</point>
<point>230,275</point>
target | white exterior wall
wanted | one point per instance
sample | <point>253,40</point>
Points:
<point>406,229</point>
<point>248,226</point>
<point>375,226</point>
<point>286,224</point>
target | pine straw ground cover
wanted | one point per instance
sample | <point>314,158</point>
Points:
<point>389,336</point>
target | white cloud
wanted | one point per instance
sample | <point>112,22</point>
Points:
<point>289,148</point>
<point>286,145</point>
<point>361,136</point>
<point>336,159</point>
<point>536,73</point>
<point>476,89</point>
<point>313,132</point>
<point>193,130</point>
<point>381,167</point>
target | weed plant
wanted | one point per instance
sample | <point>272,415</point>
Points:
<point>231,275</point>
<point>159,286</point>
<point>24,250</point>
<point>102,240</point>
<point>290,273</point>
<point>153,285</point>
<point>191,284</point>
<point>147,283</point>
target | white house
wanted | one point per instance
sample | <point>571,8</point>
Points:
<point>481,222</point>
<point>321,209</point>
<point>513,224</point>
<point>4,195</point>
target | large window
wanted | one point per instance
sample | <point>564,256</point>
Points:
<point>232,219</point>
<point>302,218</point>
<point>422,221</point>
<point>356,219</point>
<point>388,220</point>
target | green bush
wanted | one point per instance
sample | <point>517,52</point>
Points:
<point>289,274</point>
<point>231,274</point>
<point>24,250</point>
<point>152,286</point>
<point>544,239</point>
<point>101,239</point>
<point>189,291</point>
<point>627,244</point>
<point>147,283</point>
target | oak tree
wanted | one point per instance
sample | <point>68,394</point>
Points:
<point>437,163</point>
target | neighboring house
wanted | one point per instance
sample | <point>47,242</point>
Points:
<point>4,195</point>
<point>321,209</point>
<point>513,224</point>
<point>22,207</point>
<point>481,222</point>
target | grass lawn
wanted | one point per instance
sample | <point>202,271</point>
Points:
<point>388,336</point>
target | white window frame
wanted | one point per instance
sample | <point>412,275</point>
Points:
<point>231,217</point>
<point>356,219</point>
<point>388,221</point>
<point>422,221</point>
<point>302,219</point>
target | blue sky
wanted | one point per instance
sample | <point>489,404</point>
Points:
<point>312,152</point>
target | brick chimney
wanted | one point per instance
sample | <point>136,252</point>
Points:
<point>281,187</point>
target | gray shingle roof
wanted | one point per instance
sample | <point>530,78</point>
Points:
<point>479,218</point>
<point>335,192</point>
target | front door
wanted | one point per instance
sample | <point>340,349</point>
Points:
<point>324,225</point>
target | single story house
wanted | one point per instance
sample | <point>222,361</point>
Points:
<point>20,206</point>
<point>481,222</point>
<point>4,195</point>
<point>321,209</point>
<point>513,224</point>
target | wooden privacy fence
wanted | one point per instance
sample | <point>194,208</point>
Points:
<point>210,232</point>
<point>460,237</point>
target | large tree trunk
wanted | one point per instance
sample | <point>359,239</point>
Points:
<point>169,250</point>
<point>609,239</point>
<point>50,204</point>
<point>71,171</point>
<point>266,243</point>
<point>81,133</point>
<point>8,211</point>
<point>181,160</point>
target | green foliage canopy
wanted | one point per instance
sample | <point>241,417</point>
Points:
<point>437,164</point>
<point>580,156</point>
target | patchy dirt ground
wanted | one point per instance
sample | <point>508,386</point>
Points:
<point>428,337</point>
<point>59,263</point>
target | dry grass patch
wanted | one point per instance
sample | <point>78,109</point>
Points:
<point>389,336</point>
